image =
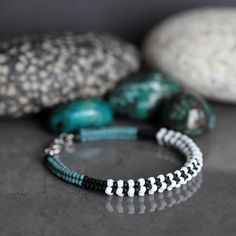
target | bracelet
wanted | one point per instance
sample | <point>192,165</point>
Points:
<point>152,203</point>
<point>168,138</point>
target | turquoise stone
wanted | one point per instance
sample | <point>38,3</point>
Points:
<point>141,97</point>
<point>188,113</point>
<point>90,113</point>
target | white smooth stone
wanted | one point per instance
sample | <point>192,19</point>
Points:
<point>197,47</point>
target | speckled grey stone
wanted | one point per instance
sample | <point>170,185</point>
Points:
<point>42,71</point>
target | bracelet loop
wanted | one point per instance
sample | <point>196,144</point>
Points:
<point>141,186</point>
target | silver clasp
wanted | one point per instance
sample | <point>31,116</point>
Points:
<point>63,141</point>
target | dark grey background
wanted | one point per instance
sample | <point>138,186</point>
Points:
<point>130,19</point>
<point>33,202</point>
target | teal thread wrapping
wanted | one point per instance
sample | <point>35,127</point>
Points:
<point>113,133</point>
<point>63,172</point>
<point>87,135</point>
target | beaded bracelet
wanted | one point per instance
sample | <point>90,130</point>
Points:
<point>160,183</point>
<point>152,203</point>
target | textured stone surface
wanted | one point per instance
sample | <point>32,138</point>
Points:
<point>189,114</point>
<point>141,97</point>
<point>88,113</point>
<point>43,71</point>
<point>198,48</point>
<point>34,202</point>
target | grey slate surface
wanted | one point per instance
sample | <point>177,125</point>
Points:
<point>34,202</point>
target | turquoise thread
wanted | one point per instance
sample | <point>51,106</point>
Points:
<point>114,133</point>
<point>88,135</point>
<point>63,172</point>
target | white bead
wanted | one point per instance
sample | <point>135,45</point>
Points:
<point>110,182</point>
<point>119,192</point>
<point>153,189</point>
<point>131,192</point>
<point>163,187</point>
<point>195,173</point>
<point>194,161</point>
<point>141,194</point>
<point>160,190</point>
<point>152,180</point>
<point>190,165</point>
<point>167,138</point>
<point>196,154</point>
<point>161,178</point>
<point>141,181</point>
<point>170,175</point>
<point>172,185</point>
<point>120,183</point>
<point>178,185</point>
<point>130,182</point>
<point>162,131</point>
<point>171,132</point>
<point>169,188</point>
<point>142,191</point>
<point>108,191</point>
<point>178,143</point>
<point>186,150</point>
<point>185,137</point>
<point>160,134</point>
<point>189,177</point>
<point>184,169</point>
<point>178,173</point>
<point>184,181</point>
<point>183,146</point>
<point>151,192</point>
<point>173,140</point>
<point>192,146</point>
